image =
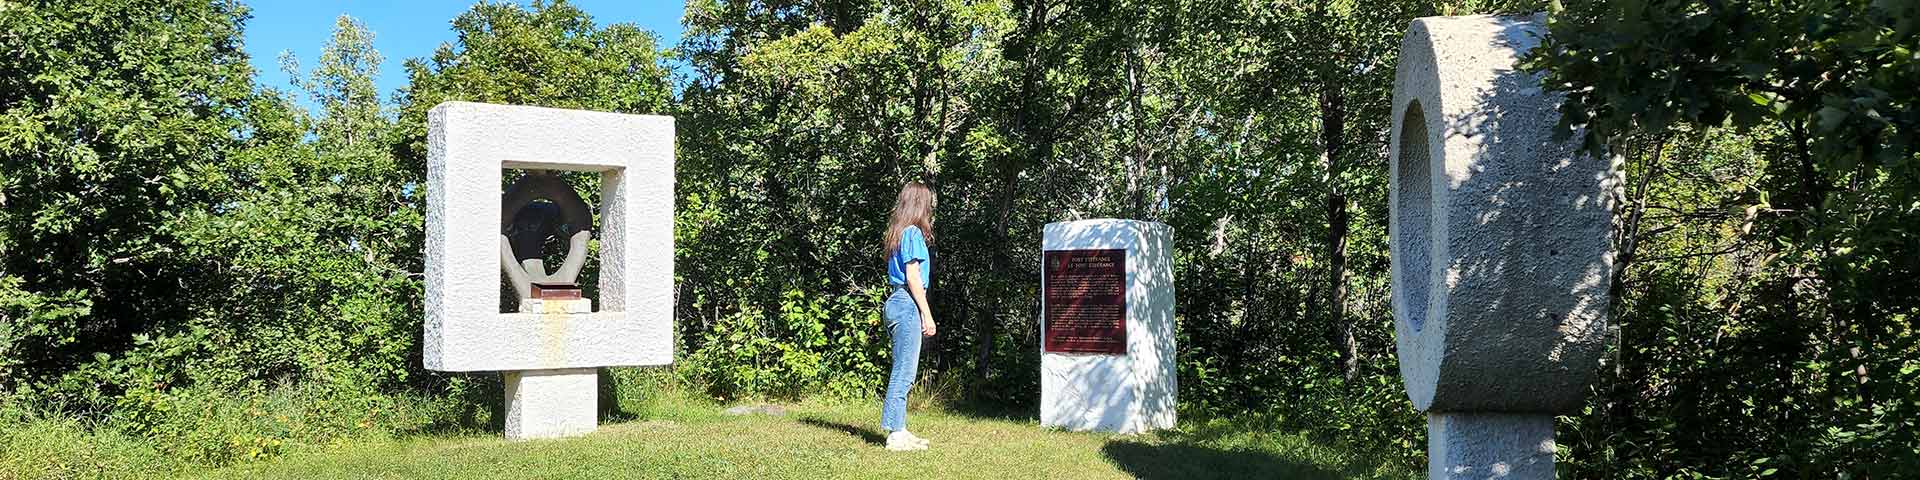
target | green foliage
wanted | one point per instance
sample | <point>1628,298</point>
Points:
<point>790,353</point>
<point>548,54</point>
<point>1766,295</point>
<point>106,110</point>
<point>214,427</point>
<point>29,317</point>
<point>151,433</point>
<point>314,240</point>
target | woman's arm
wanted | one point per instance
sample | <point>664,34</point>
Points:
<point>920,297</point>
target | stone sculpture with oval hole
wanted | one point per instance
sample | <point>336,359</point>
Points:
<point>1500,242</point>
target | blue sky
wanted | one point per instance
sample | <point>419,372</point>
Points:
<point>404,29</point>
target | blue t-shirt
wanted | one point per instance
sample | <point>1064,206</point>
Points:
<point>913,248</point>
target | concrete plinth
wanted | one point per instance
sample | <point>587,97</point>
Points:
<point>552,403</point>
<point>1135,390</point>
<point>1462,446</point>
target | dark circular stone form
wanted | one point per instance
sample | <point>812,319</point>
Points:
<point>528,223</point>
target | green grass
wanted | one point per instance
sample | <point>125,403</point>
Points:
<point>673,435</point>
<point>828,440</point>
<point>63,448</point>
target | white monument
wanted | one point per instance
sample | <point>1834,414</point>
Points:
<point>551,349</point>
<point>1107,347</point>
<point>1500,246</point>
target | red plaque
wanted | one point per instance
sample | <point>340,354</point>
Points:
<point>1086,301</point>
<point>556,291</point>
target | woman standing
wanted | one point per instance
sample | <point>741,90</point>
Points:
<point>909,317</point>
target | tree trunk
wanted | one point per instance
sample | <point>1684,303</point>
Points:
<point>1023,48</point>
<point>1627,237</point>
<point>1620,397</point>
<point>1333,141</point>
<point>1002,264</point>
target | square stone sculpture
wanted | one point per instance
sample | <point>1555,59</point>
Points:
<point>469,146</point>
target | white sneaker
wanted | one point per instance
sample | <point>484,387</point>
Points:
<point>902,441</point>
<point>916,439</point>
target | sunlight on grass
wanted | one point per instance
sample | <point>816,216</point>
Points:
<point>828,440</point>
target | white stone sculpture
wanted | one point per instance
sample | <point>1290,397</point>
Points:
<point>550,350</point>
<point>1500,247</point>
<point>1136,389</point>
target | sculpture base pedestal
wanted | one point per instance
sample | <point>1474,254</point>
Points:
<point>552,403</point>
<point>1108,364</point>
<point>1517,446</point>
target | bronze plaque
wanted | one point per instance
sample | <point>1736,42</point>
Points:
<point>556,291</point>
<point>1086,301</point>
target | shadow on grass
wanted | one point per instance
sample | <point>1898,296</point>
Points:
<point>1182,461</point>
<point>610,410</point>
<point>982,410</point>
<point>479,405</point>
<point>870,436</point>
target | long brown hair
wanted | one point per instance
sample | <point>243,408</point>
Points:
<point>913,207</point>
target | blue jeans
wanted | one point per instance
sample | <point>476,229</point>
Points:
<point>903,320</point>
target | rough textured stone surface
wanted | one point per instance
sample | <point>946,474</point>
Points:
<point>468,146</point>
<point>1500,235</point>
<point>536,305</point>
<point>1462,446</point>
<point>1127,394</point>
<point>552,403</point>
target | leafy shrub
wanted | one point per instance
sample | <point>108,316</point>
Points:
<point>814,344</point>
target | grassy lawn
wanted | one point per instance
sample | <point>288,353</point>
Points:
<point>828,440</point>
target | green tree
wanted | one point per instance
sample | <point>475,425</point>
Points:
<point>111,109</point>
<point>316,241</point>
<point>1809,300</point>
<point>548,54</point>
<point>799,125</point>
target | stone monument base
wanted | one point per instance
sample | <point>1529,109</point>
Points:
<point>552,403</point>
<point>1127,382</point>
<point>1489,445</point>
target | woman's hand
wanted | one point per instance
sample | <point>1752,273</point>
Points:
<point>926,325</point>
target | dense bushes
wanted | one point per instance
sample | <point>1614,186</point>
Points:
<point>808,347</point>
<point>106,111</point>
<point>150,432</point>
<point>1767,293</point>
